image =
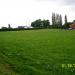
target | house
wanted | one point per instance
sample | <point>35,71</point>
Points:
<point>21,27</point>
<point>72,26</point>
<point>24,27</point>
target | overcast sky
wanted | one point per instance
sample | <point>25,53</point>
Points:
<point>23,12</point>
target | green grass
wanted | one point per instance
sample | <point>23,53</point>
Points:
<point>37,52</point>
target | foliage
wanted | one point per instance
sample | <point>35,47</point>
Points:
<point>40,24</point>
<point>56,20</point>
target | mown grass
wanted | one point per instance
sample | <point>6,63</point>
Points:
<point>37,52</point>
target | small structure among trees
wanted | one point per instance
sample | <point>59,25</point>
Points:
<point>21,27</point>
<point>72,26</point>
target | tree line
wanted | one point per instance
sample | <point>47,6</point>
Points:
<point>40,24</point>
<point>56,22</point>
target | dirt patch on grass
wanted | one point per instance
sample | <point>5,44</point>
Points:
<point>6,69</point>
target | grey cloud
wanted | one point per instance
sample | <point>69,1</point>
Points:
<point>69,2</point>
<point>62,2</point>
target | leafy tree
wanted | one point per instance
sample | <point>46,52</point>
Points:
<point>45,23</point>
<point>40,24</point>
<point>36,23</point>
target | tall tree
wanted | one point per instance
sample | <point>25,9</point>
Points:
<point>66,25</point>
<point>53,19</point>
<point>9,26</point>
<point>60,21</point>
<point>65,19</point>
<point>56,20</point>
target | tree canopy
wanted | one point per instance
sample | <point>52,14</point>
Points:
<point>40,23</point>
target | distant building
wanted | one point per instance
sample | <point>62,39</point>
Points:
<point>28,27</point>
<point>24,27</point>
<point>21,27</point>
<point>72,26</point>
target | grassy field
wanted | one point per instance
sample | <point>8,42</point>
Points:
<point>37,52</point>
